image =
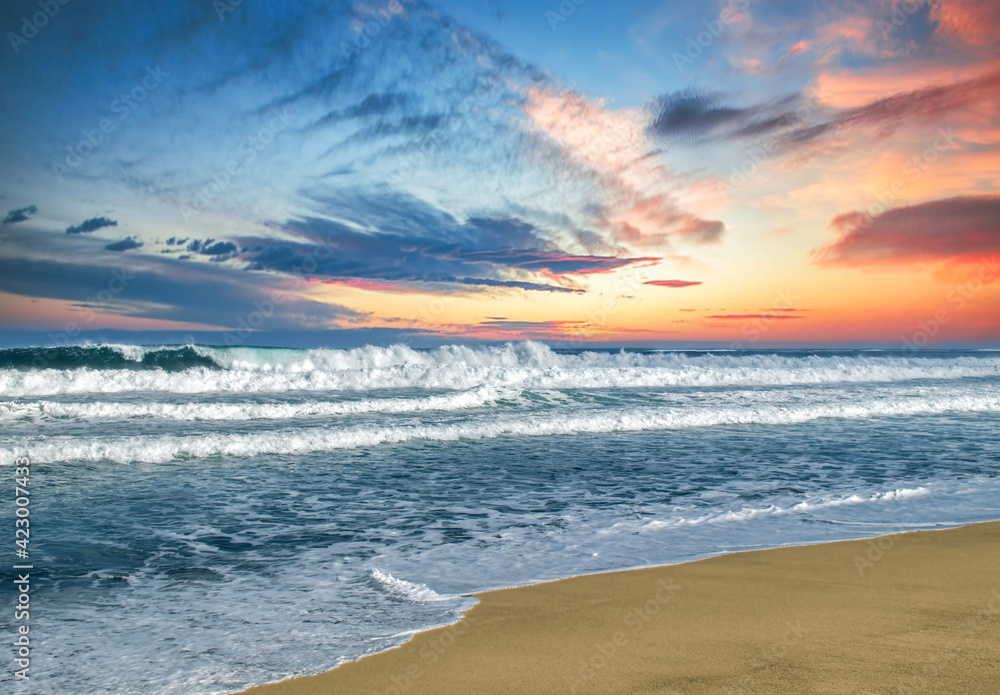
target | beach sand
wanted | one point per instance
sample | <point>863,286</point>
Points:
<point>911,613</point>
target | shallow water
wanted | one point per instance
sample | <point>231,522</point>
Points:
<point>204,519</point>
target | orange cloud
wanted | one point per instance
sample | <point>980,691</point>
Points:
<point>801,46</point>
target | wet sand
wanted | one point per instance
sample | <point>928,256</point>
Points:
<point>910,613</point>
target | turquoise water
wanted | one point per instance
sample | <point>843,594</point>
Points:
<point>205,519</point>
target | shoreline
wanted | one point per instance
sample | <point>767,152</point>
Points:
<point>614,631</point>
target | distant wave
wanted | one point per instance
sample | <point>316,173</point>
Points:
<point>169,358</point>
<point>103,410</point>
<point>37,372</point>
<point>297,441</point>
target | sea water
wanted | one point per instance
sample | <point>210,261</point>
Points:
<point>206,519</point>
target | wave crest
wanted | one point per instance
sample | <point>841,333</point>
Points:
<point>298,441</point>
<point>197,369</point>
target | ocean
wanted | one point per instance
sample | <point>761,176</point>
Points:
<point>205,519</point>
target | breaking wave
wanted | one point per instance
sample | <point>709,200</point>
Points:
<point>36,372</point>
<point>408,591</point>
<point>219,411</point>
<point>297,441</point>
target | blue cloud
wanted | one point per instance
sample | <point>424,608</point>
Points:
<point>402,239</point>
<point>166,289</point>
<point>19,215</point>
<point>126,244</point>
<point>91,225</point>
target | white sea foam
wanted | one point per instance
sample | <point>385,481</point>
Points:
<point>293,441</point>
<point>401,588</point>
<point>230,411</point>
<point>521,365</point>
<point>807,506</point>
<point>134,353</point>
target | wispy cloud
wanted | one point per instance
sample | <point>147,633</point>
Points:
<point>747,317</point>
<point>401,239</point>
<point>884,116</point>
<point>693,115</point>
<point>630,185</point>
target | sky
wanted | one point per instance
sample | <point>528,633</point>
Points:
<point>724,173</point>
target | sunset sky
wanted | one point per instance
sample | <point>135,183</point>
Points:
<point>633,173</point>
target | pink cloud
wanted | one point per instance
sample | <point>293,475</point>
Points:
<point>611,148</point>
<point>962,228</point>
<point>672,283</point>
<point>971,22</point>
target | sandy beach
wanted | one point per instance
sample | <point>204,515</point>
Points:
<point>910,613</point>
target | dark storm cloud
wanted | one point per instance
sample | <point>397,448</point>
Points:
<point>219,248</point>
<point>126,244</point>
<point>207,247</point>
<point>91,225</point>
<point>19,215</point>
